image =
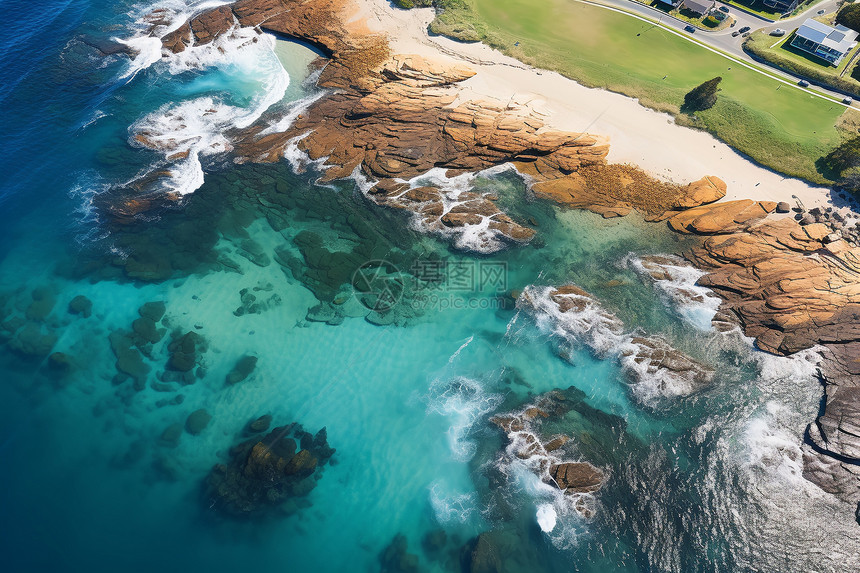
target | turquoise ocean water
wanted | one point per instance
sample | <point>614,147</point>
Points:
<point>98,470</point>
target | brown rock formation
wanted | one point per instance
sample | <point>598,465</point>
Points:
<point>790,290</point>
<point>544,454</point>
<point>614,190</point>
<point>396,117</point>
<point>580,477</point>
<point>793,288</point>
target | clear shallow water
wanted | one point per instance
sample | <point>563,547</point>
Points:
<point>704,483</point>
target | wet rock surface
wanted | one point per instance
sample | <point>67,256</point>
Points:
<point>530,439</point>
<point>654,367</point>
<point>270,475</point>
<point>792,287</point>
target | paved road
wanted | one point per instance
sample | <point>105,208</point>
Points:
<point>722,40</point>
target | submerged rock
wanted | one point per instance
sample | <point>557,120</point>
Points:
<point>184,351</point>
<point>484,555</point>
<point>243,368</point>
<point>42,305</point>
<point>129,361</point>
<point>146,331</point>
<point>261,424</point>
<point>60,362</point>
<point>30,341</point>
<point>264,474</point>
<point>197,421</point>
<point>395,558</point>
<point>171,435</point>
<point>153,311</point>
<point>81,305</point>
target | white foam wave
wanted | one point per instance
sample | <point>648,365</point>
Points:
<point>546,517</point>
<point>654,367</point>
<point>477,237</point>
<point>677,282</point>
<point>463,401</point>
<point>190,130</point>
<point>772,450</point>
<point>153,22</point>
<point>589,324</point>
<point>450,508</point>
<point>296,108</point>
<point>147,51</point>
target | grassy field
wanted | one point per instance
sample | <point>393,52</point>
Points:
<point>779,126</point>
<point>786,56</point>
<point>757,7</point>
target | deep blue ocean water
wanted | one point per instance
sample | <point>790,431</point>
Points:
<point>90,477</point>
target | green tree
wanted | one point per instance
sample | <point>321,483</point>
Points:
<point>843,158</point>
<point>849,16</point>
<point>703,96</point>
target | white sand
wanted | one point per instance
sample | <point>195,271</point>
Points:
<point>637,135</point>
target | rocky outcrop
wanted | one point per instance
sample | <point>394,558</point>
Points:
<point>652,360</point>
<point>790,288</point>
<point>396,117</point>
<point>544,453</point>
<point>831,456</point>
<point>579,477</point>
<point>614,190</point>
<point>793,286</point>
<point>654,367</point>
<point>263,475</point>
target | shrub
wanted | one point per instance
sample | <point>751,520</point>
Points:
<point>703,96</point>
<point>844,158</point>
<point>849,16</point>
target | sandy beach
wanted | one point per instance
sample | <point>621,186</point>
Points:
<point>637,135</point>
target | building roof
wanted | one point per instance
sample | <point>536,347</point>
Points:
<point>837,38</point>
<point>699,6</point>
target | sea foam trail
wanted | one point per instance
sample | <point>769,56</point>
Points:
<point>463,401</point>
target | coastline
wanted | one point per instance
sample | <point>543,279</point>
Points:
<point>632,129</point>
<point>410,116</point>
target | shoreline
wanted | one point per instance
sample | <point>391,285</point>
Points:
<point>640,136</point>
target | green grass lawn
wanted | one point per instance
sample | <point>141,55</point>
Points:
<point>757,7</point>
<point>779,126</point>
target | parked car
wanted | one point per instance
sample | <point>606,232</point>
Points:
<point>820,12</point>
<point>689,29</point>
<point>803,83</point>
<point>847,101</point>
<point>735,34</point>
<point>724,9</point>
<point>777,32</point>
<point>744,29</point>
